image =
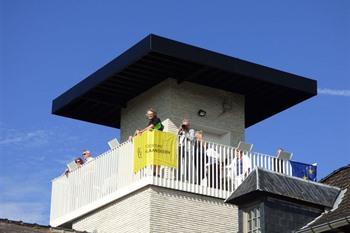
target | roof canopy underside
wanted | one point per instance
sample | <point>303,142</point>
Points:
<point>100,97</point>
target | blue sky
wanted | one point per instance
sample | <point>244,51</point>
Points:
<point>48,46</point>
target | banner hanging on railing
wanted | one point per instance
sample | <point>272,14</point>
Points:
<point>154,148</point>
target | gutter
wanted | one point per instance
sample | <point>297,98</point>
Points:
<point>335,224</point>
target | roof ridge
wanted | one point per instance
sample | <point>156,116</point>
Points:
<point>297,178</point>
<point>257,179</point>
<point>335,172</point>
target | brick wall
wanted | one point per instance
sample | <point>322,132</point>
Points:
<point>176,211</point>
<point>128,214</point>
<point>176,101</point>
<point>133,116</point>
<point>156,209</point>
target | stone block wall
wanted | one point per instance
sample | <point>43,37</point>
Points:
<point>223,123</point>
<point>157,209</point>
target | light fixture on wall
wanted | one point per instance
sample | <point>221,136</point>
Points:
<point>202,113</point>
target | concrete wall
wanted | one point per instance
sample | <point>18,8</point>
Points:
<point>156,209</point>
<point>176,101</point>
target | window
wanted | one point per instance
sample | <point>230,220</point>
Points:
<point>253,220</point>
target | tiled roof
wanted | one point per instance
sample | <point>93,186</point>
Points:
<point>339,178</point>
<point>10,226</point>
<point>262,181</point>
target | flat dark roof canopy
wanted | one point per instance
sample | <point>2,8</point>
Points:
<point>100,97</point>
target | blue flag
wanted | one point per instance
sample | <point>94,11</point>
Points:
<point>303,170</point>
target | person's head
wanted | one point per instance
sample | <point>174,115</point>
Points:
<point>79,161</point>
<point>86,154</point>
<point>185,124</point>
<point>151,113</point>
<point>199,135</point>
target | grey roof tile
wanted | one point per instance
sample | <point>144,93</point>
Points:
<point>339,178</point>
<point>264,181</point>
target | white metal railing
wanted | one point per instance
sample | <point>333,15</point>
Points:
<point>202,167</point>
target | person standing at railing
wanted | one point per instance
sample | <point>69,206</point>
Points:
<point>87,156</point>
<point>78,161</point>
<point>200,157</point>
<point>239,162</point>
<point>186,137</point>
<point>154,123</point>
<point>243,163</point>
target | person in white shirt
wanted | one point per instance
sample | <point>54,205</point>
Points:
<point>185,133</point>
<point>87,156</point>
<point>186,137</point>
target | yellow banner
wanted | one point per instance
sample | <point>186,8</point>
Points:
<point>154,148</point>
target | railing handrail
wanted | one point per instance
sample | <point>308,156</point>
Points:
<point>106,153</point>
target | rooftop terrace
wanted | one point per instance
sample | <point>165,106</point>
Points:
<point>214,170</point>
<point>203,168</point>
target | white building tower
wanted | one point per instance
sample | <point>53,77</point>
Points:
<point>220,95</point>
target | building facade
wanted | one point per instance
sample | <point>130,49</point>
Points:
<point>221,96</point>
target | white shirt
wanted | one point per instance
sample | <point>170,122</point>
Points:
<point>88,159</point>
<point>186,135</point>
